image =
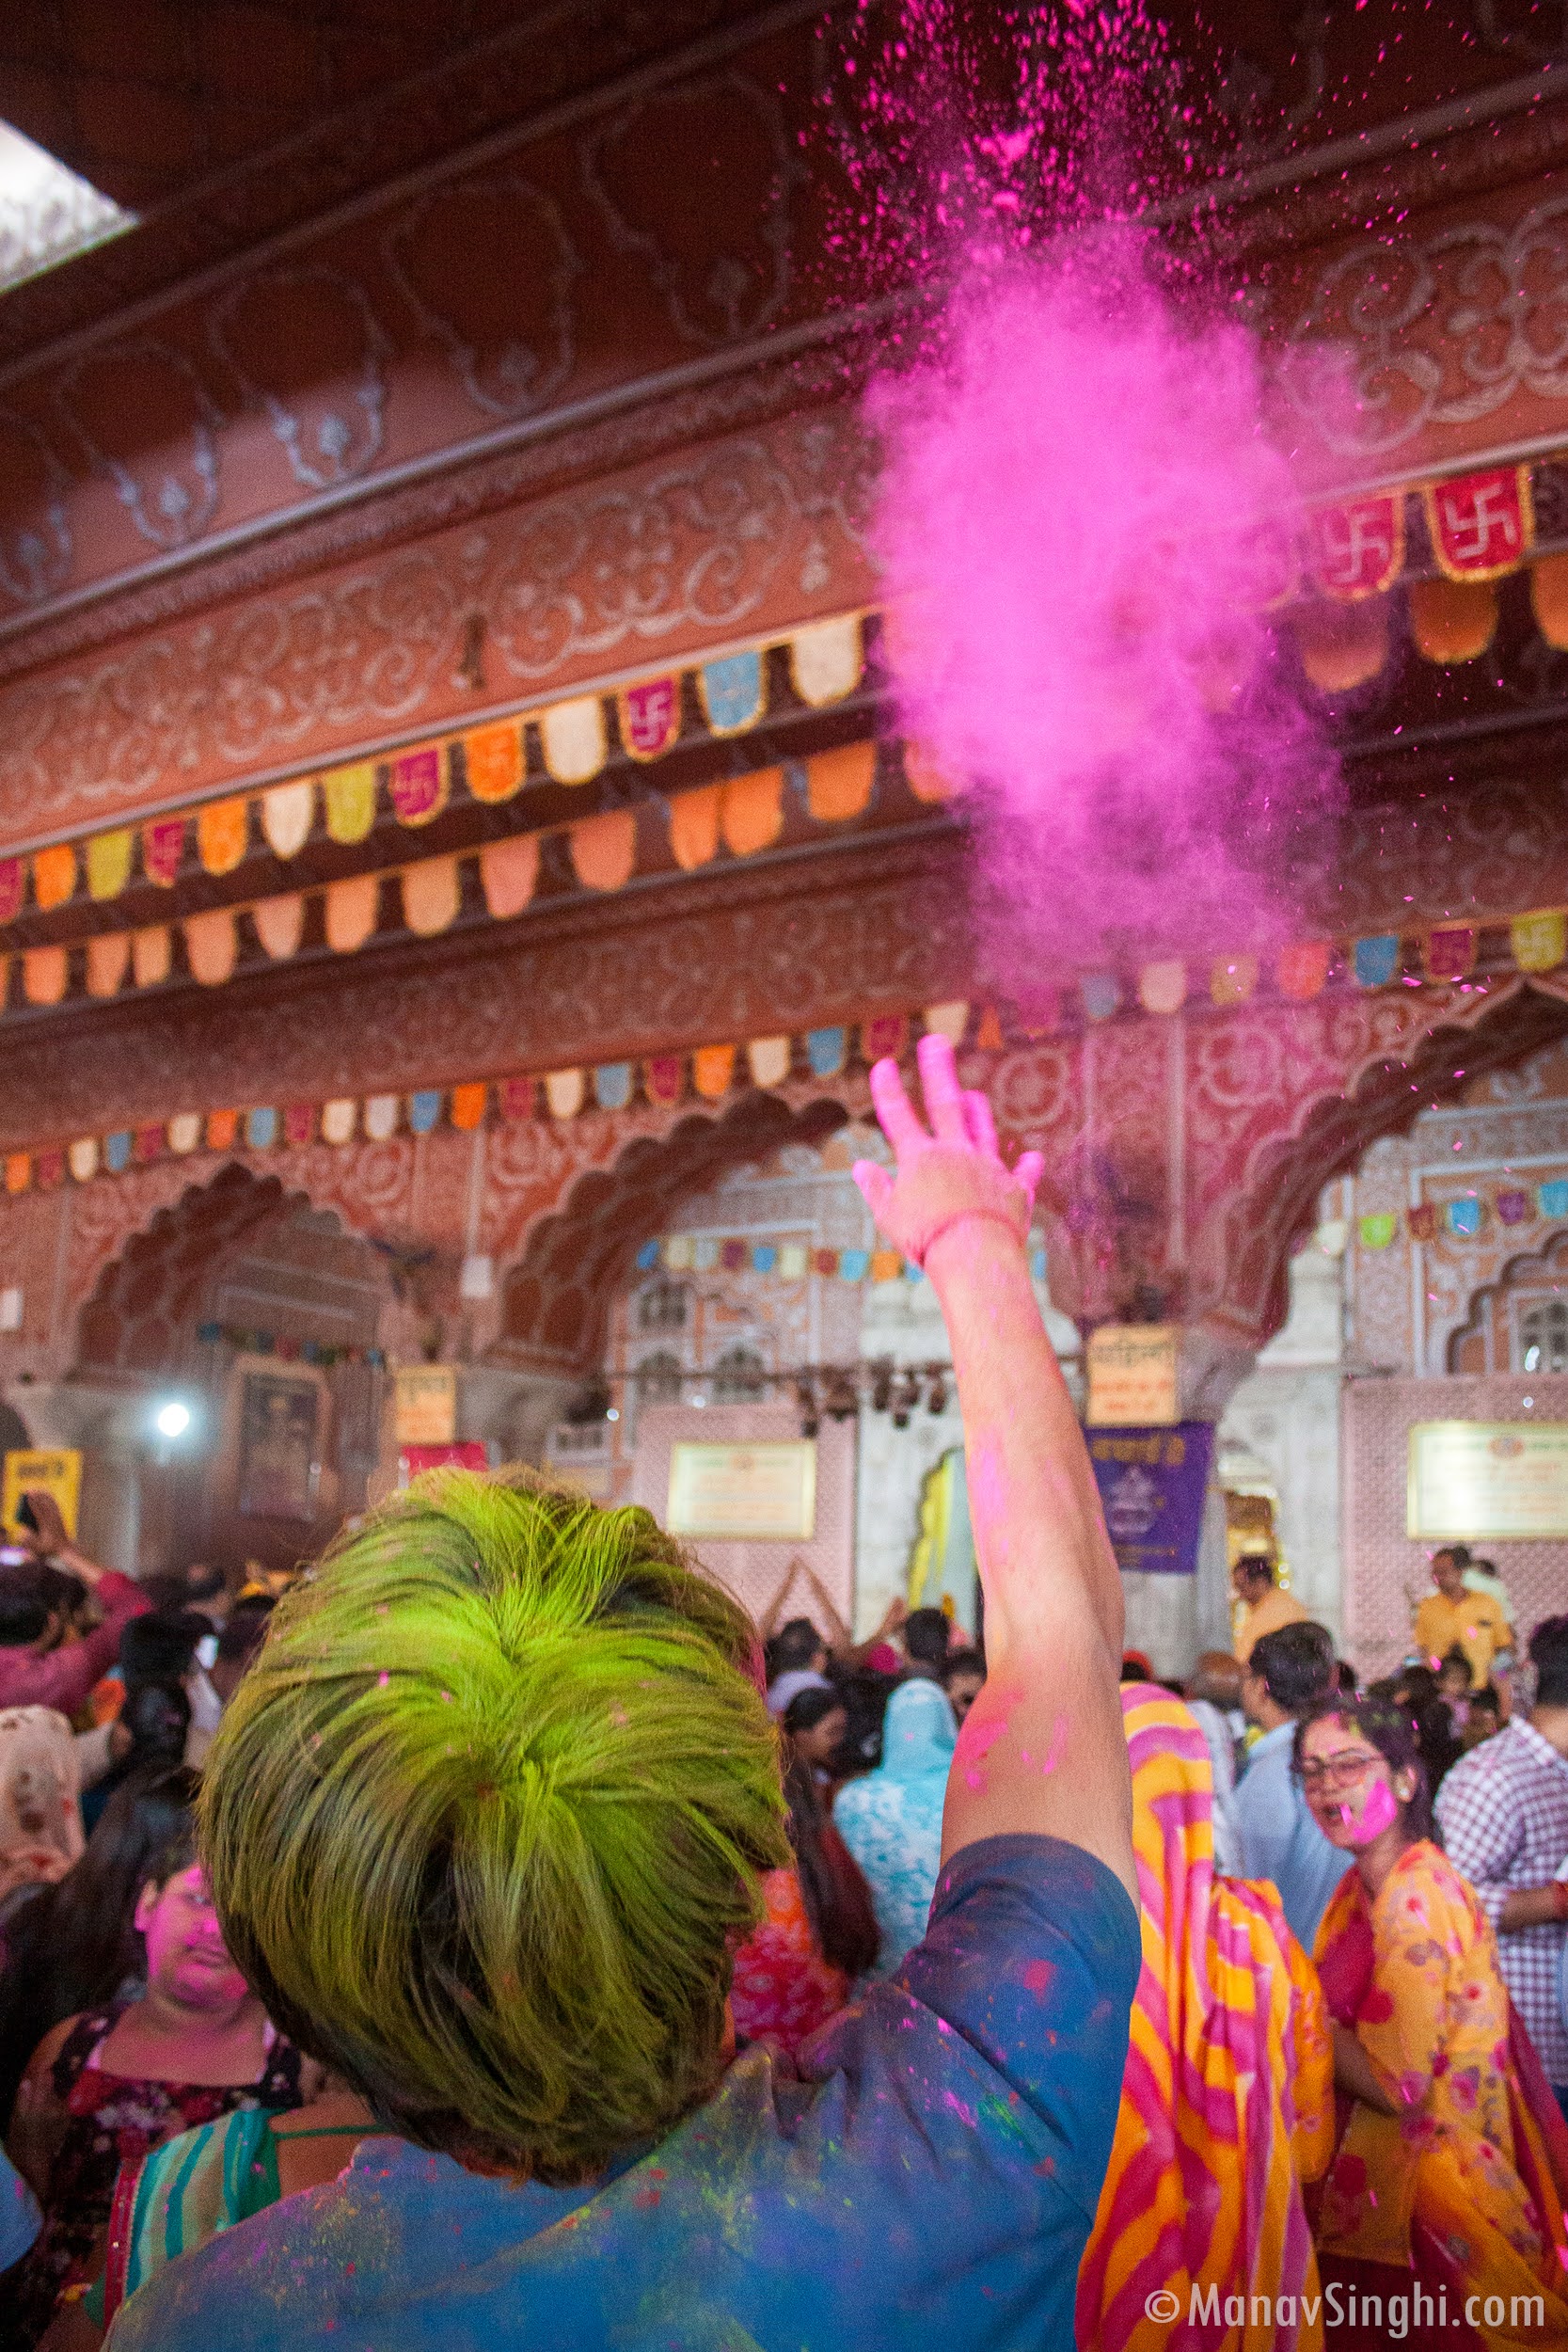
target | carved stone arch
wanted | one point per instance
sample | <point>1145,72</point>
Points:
<point>555,1302</point>
<point>1472,1348</point>
<point>142,1316</point>
<point>1274,1208</point>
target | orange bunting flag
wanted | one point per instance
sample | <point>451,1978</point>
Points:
<point>44,973</point>
<point>604,849</point>
<point>223,834</point>
<point>838,784</point>
<point>18,1172</point>
<point>988,1037</point>
<point>109,862</point>
<point>223,1128</point>
<point>163,850</point>
<point>694,825</point>
<point>924,779</point>
<point>712,1068</point>
<point>352,907</point>
<point>752,811</point>
<point>492,760</point>
<point>108,961</point>
<point>467,1104</point>
<point>1301,971</point>
<point>1232,979</point>
<point>1453,620</point>
<point>210,943</point>
<point>509,871</point>
<point>280,924</point>
<point>431,893</point>
<point>1341,645</point>
<point>53,874</point>
<point>151,955</point>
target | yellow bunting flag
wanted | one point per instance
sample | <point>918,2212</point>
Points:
<point>109,862</point>
<point>108,961</point>
<point>223,1130</point>
<point>712,1068</point>
<point>151,955</point>
<point>184,1133</point>
<point>467,1104</point>
<point>564,1092</point>
<point>431,893</point>
<point>1301,971</point>
<point>694,825</point>
<point>338,1119</point>
<point>768,1058</point>
<point>1232,978</point>
<point>838,784</point>
<point>604,849</point>
<point>492,760</point>
<point>572,738</point>
<point>210,943</point>
<point>350,797</point>
<point>1539,942</point>
<point>825,659</point>
<point>223,833</point>
<point>510,872</point>
<point>288,813</point>
<point>1163,987</point>
<point>53,874</point>
<point>352,907</point>
<point>752,811</point>
<point>44,973</point>
<point>280,924</point>
<point>949,1021</point>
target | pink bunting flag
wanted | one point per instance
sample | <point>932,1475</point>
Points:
<point>1357,549</point>
<point>13,878</point>
<point>1483,524</point>
<point>163,847</point>
<point>1452,952</point>
<point>650,716</point>
<point>419,785</point>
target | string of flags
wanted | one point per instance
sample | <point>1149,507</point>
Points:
<point>489,764</point>
<point>289,1351</point>
<point>1467,1215</point>
<point>786,1260</point>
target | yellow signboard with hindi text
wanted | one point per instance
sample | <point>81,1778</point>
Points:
<point>1132,1376</point>
<point>58,1470</point>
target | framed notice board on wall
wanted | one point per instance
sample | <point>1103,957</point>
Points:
<point>759,1493</point>
<point>1488,1481</point>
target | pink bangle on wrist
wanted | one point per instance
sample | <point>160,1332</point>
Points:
<point>961,1217</point>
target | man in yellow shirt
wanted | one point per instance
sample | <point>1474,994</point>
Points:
<point>1453,1616</point>
<point>1265,1607</point>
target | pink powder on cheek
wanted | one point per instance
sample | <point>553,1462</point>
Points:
<point>1378,1809</point>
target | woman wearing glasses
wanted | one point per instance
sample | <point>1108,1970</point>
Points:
<point>1452,2160</point>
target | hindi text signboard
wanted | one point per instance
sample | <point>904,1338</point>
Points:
<point>763,1493</point>
<point>1152,1483</point>
<point>1132,1376</point>
<point>426,1405</point>
<point>1491,1481</point>
<point>58,1470</point>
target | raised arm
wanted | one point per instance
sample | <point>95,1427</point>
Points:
<point>1042,1749</point>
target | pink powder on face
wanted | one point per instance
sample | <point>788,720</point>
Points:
<point>1378,1810</point>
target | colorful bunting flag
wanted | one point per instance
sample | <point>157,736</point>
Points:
<point>1301,971</point>
<point>418,783</point>
<point>260,1128</point>
<point>467,1104</point>
<point>1553,1197</point>
<point>712,1068</point>
<point>151,955</point>
<point>1232,979</point>
<point>1101,993</point>
<point>210,945</point>
<point>1539,942</point>
<point>280,924</point>
<point>288,813</point>
<point>109,862</point>
<point>1483,524</point>
<point>839,783</point>
<point>44,973</point>
<point>108,959</point>
<point>381,1117</point>
<point>825,659</point>
<point>572,738</point>
<point>116,1151</point>
<point>349,796</point>
<point>612,1082</point>
<point>731,691</point>
<point>424,1109</point>
<point>432,894</point>
<point>650,716</point>
<point>1464,1217</point>
<point>1512,1207</point>
<point>13,881</point>
<point>825,1049</point>
<point>223,1129</point>
<point>299,1124</point>
<point>163,850</point>
<point>1450,953</point>
<point>54,875</point>
<point>352,907</point>
<point>694,825</point>
<point>1421,1221</point>
<point>604,849</point>
<point>1163,987</point>
<point>1375,962</point>
<point>184,1133</point>
<point>664,1079</point>
<point>768,1061</point>
<point>509,872</point>
<point>751,811</point>
<point>1357,549</point>
<point>339,1119</point>
<point>949,1021</point>
<point>1377,1230</point>
<point>223,833</point>
<point>563,1092</point>
<point>492,760</point>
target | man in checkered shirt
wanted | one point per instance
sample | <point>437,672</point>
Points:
<point>1503,1810</point>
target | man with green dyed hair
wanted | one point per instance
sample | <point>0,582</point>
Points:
<point>487,1821</point>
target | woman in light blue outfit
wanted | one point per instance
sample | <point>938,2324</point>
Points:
<point>891,1819</point>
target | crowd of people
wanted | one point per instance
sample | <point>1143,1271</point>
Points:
<point>499,1934</point>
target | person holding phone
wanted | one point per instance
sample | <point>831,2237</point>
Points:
<point>34,1672</point>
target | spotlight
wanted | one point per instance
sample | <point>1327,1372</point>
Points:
<point>172,1418</point>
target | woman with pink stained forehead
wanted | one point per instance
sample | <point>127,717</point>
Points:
<point>1452,2159</point>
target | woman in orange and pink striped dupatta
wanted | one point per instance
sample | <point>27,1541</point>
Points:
<point>1227,2101</point>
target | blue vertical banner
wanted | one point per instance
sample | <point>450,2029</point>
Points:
<point>1151,1483</point>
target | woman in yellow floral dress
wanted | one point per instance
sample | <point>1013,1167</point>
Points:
<point>1452,2160</point>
